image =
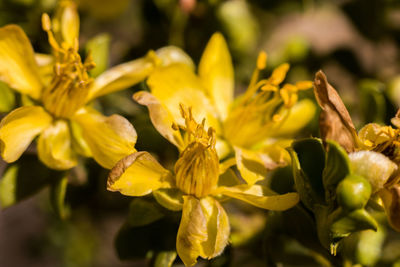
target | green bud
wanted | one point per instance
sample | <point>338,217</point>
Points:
<point>353,192</point>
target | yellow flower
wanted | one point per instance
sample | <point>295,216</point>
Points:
<point>60,89</point>
<point>204,228</point>
<point>251,126</point>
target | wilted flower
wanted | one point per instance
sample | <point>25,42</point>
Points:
<point>250,126</point>
<point>204,228</point>
<point>60,88</point>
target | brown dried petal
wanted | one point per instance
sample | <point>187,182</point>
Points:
<point>335,122</point>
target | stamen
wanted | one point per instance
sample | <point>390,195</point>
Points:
<point>262,60</point>
<point>197,168</point>
<point>46,25</point>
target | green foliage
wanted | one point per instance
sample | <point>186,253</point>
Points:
<point>58,189</point>
<point>7,98</point>
<point>340,210</point>
<point>373,102</point>
<point>22,180</point>
<point>98,47</point>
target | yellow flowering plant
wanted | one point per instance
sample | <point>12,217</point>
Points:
<point>195,187</point>
<point>251,129</point>
<point>59,89</point>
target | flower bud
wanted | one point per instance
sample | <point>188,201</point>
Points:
<point>353,192</point>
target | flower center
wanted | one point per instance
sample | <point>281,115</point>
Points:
<point>390,147</point>
<point>197,168</point>
<point>263,107</point>
<point>70,83</point>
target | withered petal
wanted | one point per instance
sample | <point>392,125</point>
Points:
<point>335,122</point>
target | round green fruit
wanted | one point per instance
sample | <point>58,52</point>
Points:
<point>353,192</point>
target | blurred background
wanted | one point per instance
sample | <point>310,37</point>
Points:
<point>355,42</point>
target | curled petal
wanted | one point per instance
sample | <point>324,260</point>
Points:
<point>260,196</point>
<point>373,134</point>
<point>109,138</point>
<point>137,175</point>
<point>216,72</point>
<point>122,76</point>
<point>55,147</point>
<point>18,67</point>
<point>335,121</point>
<point>203,231</point>
<point>19,128</point>
<point>160,117</point>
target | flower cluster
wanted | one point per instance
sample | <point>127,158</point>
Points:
<point>228,143</point>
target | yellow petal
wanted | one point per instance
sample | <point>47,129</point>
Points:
<point>279,74</point>
<point>374,134</point>
<point>300,115</point>
<point>160,117</point>
<point>79,144</point>
<point>55,147</point>
<point>289,97</point>
<point>66,23</point>
<point>19,128</point>
<point>109,138</point>
<point>203,231</point>
<point>46,67</point>
<point>137,175</point>
<point>177,84</point>
<point>170,198</point>
<point>216,72</point>
<point>122,76</point>
<point>172,54</point>
<point>253,166</point>
<point>260,196</point>
<point>18,67</point>
<point>218,228</point>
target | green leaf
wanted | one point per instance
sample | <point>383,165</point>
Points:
<point>143,212</point>
<point>346,223</point>
<point>99,47</point>
<point>282,180</point>
<point>369,247</point>
<point>23,179</point>
<point>373,102</point>
<point>7,98</point>
<point>308,160</point>
<point>337,167</point>
<point>7,187</point>
<point>57,197</point>
<point>165,259</point>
